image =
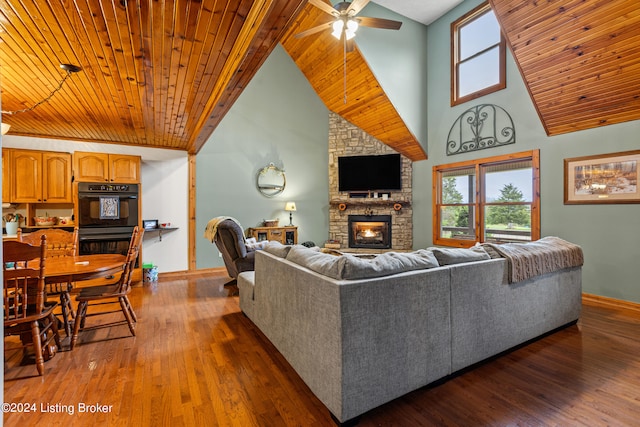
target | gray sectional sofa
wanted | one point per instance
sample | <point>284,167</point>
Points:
<point>361,332</point>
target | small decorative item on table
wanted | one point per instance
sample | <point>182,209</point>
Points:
<point>271,222</point>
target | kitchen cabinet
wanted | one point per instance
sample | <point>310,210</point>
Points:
<point>6,176</point>
<point>40,176</point>
<point>284,235</point>
<point>103,167</point>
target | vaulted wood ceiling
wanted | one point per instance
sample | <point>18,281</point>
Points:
<point>580,59</point>
<point>157,73</point>
<point>162,73</point>
<point>358,97</point>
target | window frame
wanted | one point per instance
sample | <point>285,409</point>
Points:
<point>456,62</point>
<point>478,204</point>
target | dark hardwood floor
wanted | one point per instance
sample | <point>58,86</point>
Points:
<point>197,360</point>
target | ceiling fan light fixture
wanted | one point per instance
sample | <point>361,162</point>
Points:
<point>345,25</point>
<point>337,28</point>
<point>352,25</point>
<point>345,21</point>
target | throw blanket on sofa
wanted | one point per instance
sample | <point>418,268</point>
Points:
<point>212,227</point>
<point>526,260</point>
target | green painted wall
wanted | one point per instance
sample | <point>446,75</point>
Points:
<point>278,118</point>
<point>398,59</point>
<point>608,234</point>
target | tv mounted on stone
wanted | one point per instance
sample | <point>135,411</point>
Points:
<point>370,173</point>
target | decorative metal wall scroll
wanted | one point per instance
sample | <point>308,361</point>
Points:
<point>480,127</point>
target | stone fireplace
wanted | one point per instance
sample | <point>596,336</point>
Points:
<point>370,231</point>
<point>346,139</point>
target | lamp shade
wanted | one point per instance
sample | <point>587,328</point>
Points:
<point>290,206</point>
<point>5,128</point>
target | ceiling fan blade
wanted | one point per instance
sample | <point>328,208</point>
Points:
<point>314,30</point>
<point>356,6</point>
<point>386,24</point>
<point>324,7</point>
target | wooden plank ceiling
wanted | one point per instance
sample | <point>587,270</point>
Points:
<point>156,73</point>
<point>321,58</point>
<point>580,59</point>
<point>162,73</point>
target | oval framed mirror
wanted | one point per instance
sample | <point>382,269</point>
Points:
<point>271,180</point>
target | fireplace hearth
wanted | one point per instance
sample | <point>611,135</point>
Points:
<point>370,231</point>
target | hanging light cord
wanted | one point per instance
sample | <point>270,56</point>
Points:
<point>344,66</point>
<point>37,104</point>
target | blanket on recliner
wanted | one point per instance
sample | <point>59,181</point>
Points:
<point>212,227</point>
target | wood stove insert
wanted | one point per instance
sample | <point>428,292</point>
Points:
<point>370,231</point>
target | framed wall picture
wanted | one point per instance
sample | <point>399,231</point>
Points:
<point>604,178</point>
<point>149,223</point>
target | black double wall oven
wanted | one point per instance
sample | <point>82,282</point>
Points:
<point>107,215</point>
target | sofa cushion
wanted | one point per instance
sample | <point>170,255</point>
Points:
<point>255,246</point>
<point>328,265</point>
<point>387,263</point>
<point>276,248</point>
<point>348,266</point>
<point>449,256</point>
<point>493,254</point>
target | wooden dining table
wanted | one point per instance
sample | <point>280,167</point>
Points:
<point>73,269</point>
<point>82,267</point>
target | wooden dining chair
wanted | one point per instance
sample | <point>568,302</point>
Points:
<point>116,293</point>
<point>60,243</point>
<point>26,312</point>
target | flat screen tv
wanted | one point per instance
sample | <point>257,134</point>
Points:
<point>370,173</point>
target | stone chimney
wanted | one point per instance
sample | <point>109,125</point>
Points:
<point>345,139</point>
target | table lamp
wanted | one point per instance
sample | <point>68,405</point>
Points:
<point>290,207</point>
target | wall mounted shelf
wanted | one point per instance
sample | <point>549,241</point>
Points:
<point>159,231</point>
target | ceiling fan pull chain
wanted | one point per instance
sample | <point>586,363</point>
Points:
<point>344,68</point>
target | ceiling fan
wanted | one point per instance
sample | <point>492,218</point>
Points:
<point>345,23</point>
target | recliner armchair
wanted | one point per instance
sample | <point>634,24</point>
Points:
<point>237,257</point>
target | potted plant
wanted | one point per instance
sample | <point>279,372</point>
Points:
<point>12,222</point>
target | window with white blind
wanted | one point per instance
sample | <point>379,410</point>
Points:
<point>496,199</point>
